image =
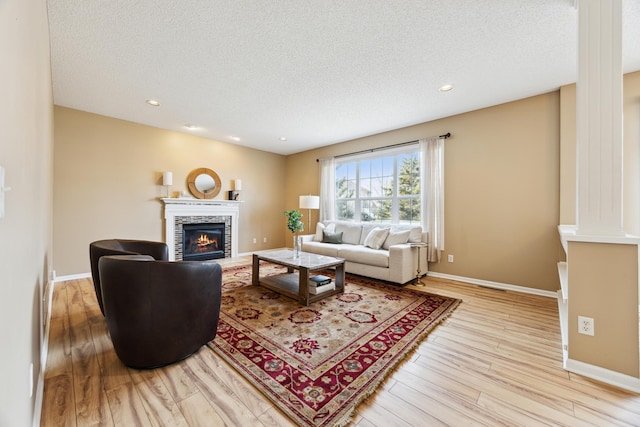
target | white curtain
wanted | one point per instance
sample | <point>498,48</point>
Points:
<point>327,189</point>
<point>432,194</point>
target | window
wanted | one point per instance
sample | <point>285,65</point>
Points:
<point>383,186</point>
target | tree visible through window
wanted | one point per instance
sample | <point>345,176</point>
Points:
<point>379,187</point>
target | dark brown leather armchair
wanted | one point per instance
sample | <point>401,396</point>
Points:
<point>100,248</point>
<point>159,312</point>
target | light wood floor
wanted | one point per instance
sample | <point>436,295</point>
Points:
<point>495,362</point>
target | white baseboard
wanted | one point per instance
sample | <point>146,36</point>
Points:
<point>495,285</point>
<point>597,373</point>
<point>72,277</point>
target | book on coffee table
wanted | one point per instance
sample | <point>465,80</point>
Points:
<point>315,290</point>
<point>319,280</point>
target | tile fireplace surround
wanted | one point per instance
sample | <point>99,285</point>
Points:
<point>179,211</point>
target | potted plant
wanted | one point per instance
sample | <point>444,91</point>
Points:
<point>295,224</point>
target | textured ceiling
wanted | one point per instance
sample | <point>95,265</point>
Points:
<point>317,72</point>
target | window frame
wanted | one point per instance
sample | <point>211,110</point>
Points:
<point>395,153</point>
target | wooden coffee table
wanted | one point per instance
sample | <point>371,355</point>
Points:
<point>294,283</point>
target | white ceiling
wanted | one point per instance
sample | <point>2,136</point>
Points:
<point>317,72</point>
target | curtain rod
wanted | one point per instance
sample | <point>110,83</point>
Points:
<point>400,144</point>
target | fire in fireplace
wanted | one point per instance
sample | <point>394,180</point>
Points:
<point>202,241</point>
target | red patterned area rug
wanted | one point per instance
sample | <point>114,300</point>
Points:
<point>317,363</point>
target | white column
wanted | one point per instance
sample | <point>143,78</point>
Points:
<point>599,118</point>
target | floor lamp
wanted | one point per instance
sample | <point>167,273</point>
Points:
<point>309,202</point>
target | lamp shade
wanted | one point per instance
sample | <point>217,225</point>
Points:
<point>309,202</point>
<point>167,178</point>
<point>237,184</point>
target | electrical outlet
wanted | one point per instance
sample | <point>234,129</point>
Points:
<point>264,240</point>
<point>586,325</point>
<point>450,258</point>
<point>255,240</point>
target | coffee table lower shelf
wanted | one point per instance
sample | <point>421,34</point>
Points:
<point>288,283</point>
<point>295,282</point>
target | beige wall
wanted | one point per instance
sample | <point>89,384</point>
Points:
<point>501,188</point>
<point>26,121</point>
<point>108,176</point>
<point>568,154</point>
<point>603,285</point>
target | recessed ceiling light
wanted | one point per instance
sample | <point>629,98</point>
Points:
<point>190,126</point>
<point>235,138</point>
<point>446,88</point>
<point>153,102</point>
<point>283,138</point>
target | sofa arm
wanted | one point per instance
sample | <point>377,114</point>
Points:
<point>403,262</point>
<point>307,237</point>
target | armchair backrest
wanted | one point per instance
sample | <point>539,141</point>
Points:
<point>100,248</point>
<point>159,312</point>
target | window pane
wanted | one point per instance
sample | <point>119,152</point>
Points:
<point>346,171</point>
<point>345,210</point>
<point>365,169</point>
<point>409,211</point>
<point>376,187</point>
<point>387,186</point>
<point>345,189</point>
<point>378,210</point>
<point>409,176</point>
<point>365,187</point>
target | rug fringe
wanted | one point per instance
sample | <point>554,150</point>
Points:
<point>393,368</point>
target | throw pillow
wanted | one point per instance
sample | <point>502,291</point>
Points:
<point>319,230</point>
<point>329,237</point>
<point>376,238</point>
<point>396,238</point>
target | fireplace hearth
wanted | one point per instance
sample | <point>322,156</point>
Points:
<point>201,242</point>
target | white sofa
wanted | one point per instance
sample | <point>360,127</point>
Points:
<point>395,261</point>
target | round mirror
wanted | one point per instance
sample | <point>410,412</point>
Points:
<point>203,183</point>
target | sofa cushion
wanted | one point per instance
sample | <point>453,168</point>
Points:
<point>376,237</point>
<point>396,238</point>
<point>329,237</point>
<point>363,255</point>
<point>321,248</point>
<point>351,231</point>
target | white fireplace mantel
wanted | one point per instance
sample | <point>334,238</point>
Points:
<point>185,207</point>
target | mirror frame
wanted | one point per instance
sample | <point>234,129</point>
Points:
<point>191,183</point>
